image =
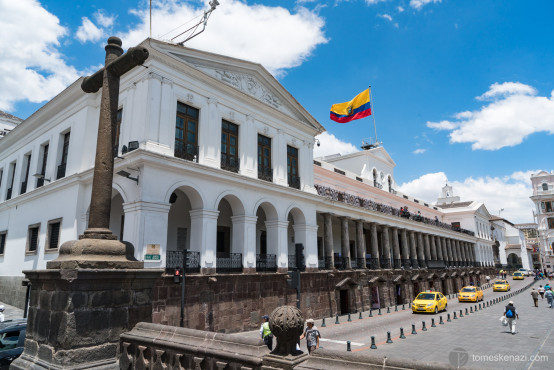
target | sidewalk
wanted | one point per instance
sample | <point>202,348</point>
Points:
<point>11,312</point>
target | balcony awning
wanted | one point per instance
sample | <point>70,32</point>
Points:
<point>431,275</point>
<point>375,279</point>
<point>415,277</point>
<point>398,278</point>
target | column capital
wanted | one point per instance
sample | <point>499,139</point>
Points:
<point>205,213</point>
<point>304,227</point>
<point>276,224</point>
<point>146,206</point>
<point>244,219</point>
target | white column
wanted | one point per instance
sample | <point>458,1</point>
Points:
<point>277,241</point>
<point>279,148</point>
<point>146,223</point>
<point>210,126</point>
<point>307,235</point>
<point>203,236</point>
<point>248,148</point>
<point>244,234</point>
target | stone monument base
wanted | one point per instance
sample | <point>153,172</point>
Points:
<point>77,315</point>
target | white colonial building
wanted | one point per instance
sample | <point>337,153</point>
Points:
<point>7,123</point>
<point>214,157</point>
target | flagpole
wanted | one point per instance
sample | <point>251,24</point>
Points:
<point>373,115</point>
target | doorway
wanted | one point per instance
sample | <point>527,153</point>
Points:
<point>344,302</point>
<point>398,291</point>
<point>375,301</point>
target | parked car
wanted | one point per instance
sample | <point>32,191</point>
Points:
<point>12,338</point>
<point>525,272</point>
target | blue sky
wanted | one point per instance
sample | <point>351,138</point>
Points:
<point>462,90</point>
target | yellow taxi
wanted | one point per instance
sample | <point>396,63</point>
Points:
<point>470,294</point>
<point>501,286</point>
<point>518,275</point>
<point>429,302</point>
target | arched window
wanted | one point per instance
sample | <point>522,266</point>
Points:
<point>545,186</point>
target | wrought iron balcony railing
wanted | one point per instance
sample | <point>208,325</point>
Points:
<point>325,263</point>
<point>174,259</point>
<point>342,263</point>
<point>266,262</point>
<point>373,263</point>
<point>228,263</point>
<point>231,164</point>
<point>385,263</point>
<point>294,182</point>
<point>189,152</point>
<point>265,173</point>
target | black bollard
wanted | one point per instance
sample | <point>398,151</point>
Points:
<point>323,323</point>
<point>350,319</point>
<point>403,308</point>
<point>337,319</point>
<point>379,312</point>
<point>455,315</point>
<point>423,328</point>
<point>388,309</point>
<point>479,306</point>
<point>433,323</point>
<point>370,313</point>
<point>475,308</point>
<point>413,330</point>
<point>360,315</point>
<point>448,317</point>
<point>373,346</point>
<point>389,340</point>
<point>402,336</point>
<point>395,308</point>
<point>440,321</point>
<point>461,313</point>
<point>348,346</point>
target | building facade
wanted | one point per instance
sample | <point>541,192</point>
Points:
<point>543,199</point>
<point>215,170</point>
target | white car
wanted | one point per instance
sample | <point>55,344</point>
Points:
<point>525,272</point>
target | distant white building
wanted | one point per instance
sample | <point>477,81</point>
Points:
<point>512,244</point>
<point>543,198</point>
<point>7,123</point>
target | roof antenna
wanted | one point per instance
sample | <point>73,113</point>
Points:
<point>203,22</point>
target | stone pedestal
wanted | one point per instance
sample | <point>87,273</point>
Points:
<point>77,315</point>
<point>271,361</point>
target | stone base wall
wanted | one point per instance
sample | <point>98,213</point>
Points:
<point>12,292</point>
<point>228,303</point>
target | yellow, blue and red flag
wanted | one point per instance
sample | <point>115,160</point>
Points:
<point>357,108</point>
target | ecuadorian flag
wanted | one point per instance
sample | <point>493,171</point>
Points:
<point>357,108</point>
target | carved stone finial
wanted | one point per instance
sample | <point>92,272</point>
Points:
<point>286,324</point>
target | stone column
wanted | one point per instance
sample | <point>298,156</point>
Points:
<point>345,242</point>
<point>307,235</point>
<point>277,242</point>
<point>143,223</point>
<point>405,249</point>
<point>360,244</point>
<point>439,248</point>
<point>464,253</point>
<point>433,247</point>
<point>374,246</point>
<point>428,255</point>
<point>449,251</point>
<point>421,251</point>
<point>385,256</point>
<point>413,250</point>
<point>244,240</point>
<point>328,241</point>
<point>395,249</point>
<point>460,249</point>
<point>204,237</point>
<point>444,251</point>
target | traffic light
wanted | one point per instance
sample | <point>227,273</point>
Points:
<point>300,261</point>
<point>177,276</point>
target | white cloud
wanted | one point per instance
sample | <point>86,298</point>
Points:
<point>510,192</point>
<point>31,67</point>
<point>506,121</point>
<point>371,2</point>
<point>331,145</point>
<point>418,4</point>
<point>385,16</point>
<point>400,9</point>
<point>272,36</point>
<point>497,90</point>
<point>88,31</point>
<point>419,151</point>
<point>104,20</point>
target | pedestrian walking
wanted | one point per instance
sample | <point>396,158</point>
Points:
<point>535,296</point>
<point>488,279</point>
<point>265,332</point>
<point>2,308</point>
<point>541,291</point>
<point>312,336</point>
<point>549,297</point>
<point>511,315</point>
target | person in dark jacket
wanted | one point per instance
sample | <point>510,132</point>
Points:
<point>511,315</point>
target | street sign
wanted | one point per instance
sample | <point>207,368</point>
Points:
<point>152,252</point>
